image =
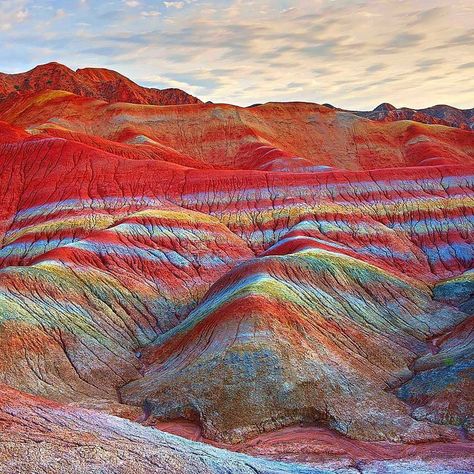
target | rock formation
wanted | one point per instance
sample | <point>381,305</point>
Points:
<point>289,272</point>
<point>438,114</point>
<point>90,82</point>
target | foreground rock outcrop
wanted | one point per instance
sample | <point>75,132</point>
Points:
<point>40,436</point>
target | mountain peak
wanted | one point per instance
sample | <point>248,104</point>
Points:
<point>384,107</point>
<point>99,74</point>
<point>52,65</point>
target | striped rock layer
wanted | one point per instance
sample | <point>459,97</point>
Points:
<point>244,269</point>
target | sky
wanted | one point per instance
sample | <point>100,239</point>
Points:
<point>354,54</point>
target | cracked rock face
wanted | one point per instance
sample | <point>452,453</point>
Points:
<point>244,270</point>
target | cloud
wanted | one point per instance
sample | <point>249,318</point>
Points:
<point>405,40</point>
<point>351,54</point>
<point>427,17</point>
<point>429,63</point>
<point>296,85</point>
<point>465,39</point>
<point>60,13</point>
<point>177,5</point>
<point>150,13</point>
<point>22,14</point>
<point>13,13</point>
<point>469,65</point>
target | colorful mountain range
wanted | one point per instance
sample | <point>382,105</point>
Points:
<point>289,286</point>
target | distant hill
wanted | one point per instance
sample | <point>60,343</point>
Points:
<point>90,82</point>
<point>437,114</point>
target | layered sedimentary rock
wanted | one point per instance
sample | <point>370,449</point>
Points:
<point>289,137</point>
<point>241,269</point>
<point>328,450</point>
<point>277,329</point>
<point>320,295</point>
